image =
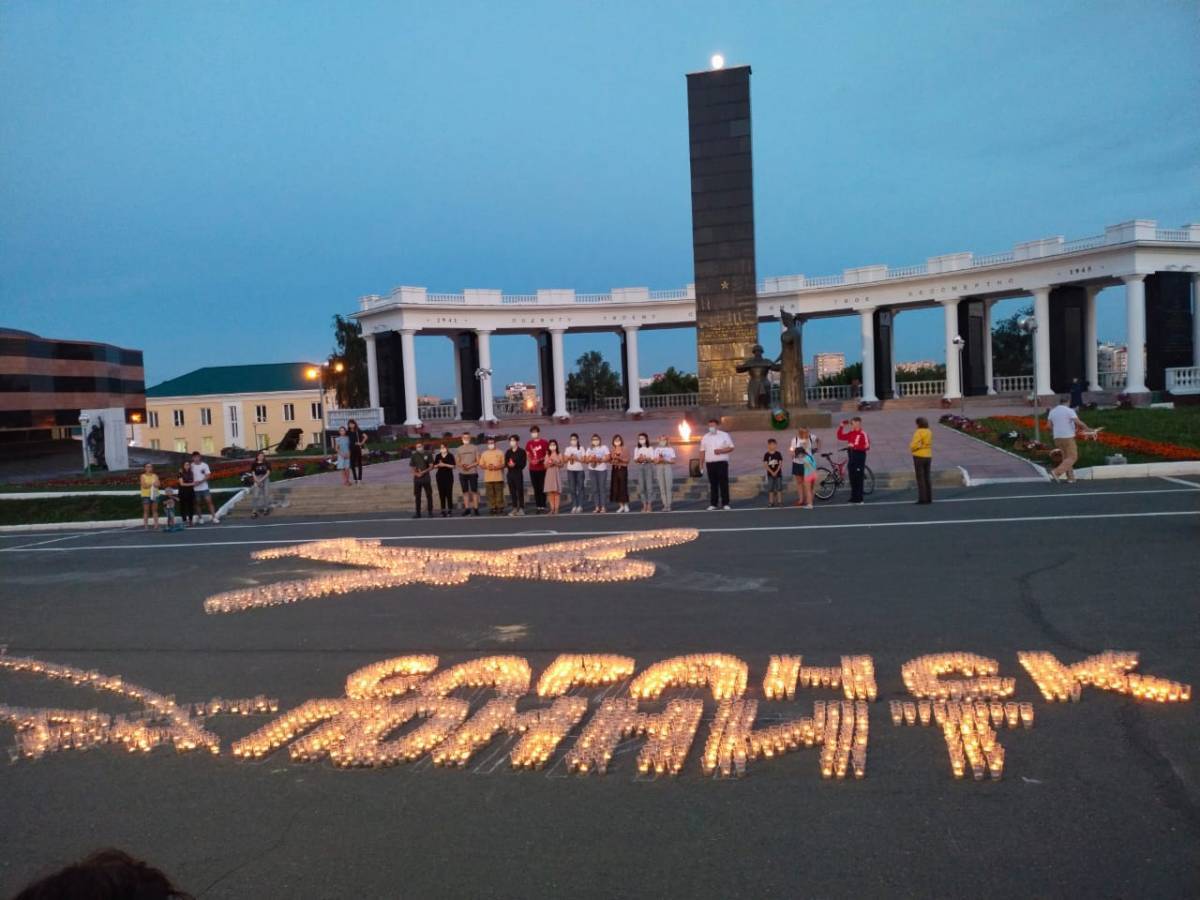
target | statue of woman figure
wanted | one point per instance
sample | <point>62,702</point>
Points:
<point>791,361</point>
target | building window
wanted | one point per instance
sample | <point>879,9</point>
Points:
<point>152,419</point>
<point>181,445</point>
<point>177,415</point>
<point>318,439</point>
<point>260,413</point>
<point>233,421</point>
<point>289,412</point>
<point>206,445</point>
<point>316,411</point>
<point>154,444</point>
<point>263,443</point>
<point>205,416</point>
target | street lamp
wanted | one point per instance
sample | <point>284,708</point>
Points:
<point>959,343</point>
<point>1029,325</point>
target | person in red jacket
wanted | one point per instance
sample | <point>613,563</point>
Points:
<point>858,444</point>
<point>536,450</point>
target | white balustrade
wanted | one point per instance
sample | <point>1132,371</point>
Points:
<point>670,401</point>
<point>574,405</point>
<point>1172,234</point>
<point>1013,384</point>
<point>908,271</point>
<point>830,392</point>
<point>1112,381</point>
<point>992,259</point>
<point>438,412</point>
<point>506,409</point>
<point>934,388</point>
<point>1183,380</point>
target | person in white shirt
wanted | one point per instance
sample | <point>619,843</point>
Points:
<point>716,446</point>
<point>573,454</point>
<point>200,474</point>
<point>1064,424</point>
<point>643,463</point>
<point>596,458</point>
<point>664,471</point>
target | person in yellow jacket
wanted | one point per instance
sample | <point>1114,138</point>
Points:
<point>921,446</point>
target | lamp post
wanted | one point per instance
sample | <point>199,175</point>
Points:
<point>959,343</point>
<point>323,374</point>
<point>1029,325</point>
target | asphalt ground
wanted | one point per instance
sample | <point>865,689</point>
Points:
<point>1099,799</point>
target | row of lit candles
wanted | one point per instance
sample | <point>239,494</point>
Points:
<point>855,676</point>
<point>541,730</point>
<point>572,670</point>
<point>922,677</point>
<point>724,675</point>
<point>669,735</point>
<point>601,559</point>
<point>968,728</point>
<point>1111,670</point>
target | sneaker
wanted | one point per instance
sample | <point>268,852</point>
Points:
<point>712,507</point>
<point>521,512</point>
<point>727,506</point>
<point>466,512</point>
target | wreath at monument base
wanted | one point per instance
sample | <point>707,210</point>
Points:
<point>780,418</point>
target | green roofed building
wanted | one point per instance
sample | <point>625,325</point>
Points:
<point>234,406</point>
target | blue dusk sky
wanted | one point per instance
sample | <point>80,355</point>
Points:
<point>212,181</point>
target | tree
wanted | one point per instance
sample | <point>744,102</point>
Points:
<point>594,378</point>
<point>350,385</point>
<point>1012,352</point>
<point>848,375</point>
<point>674,382</point>
<point>925,373</point>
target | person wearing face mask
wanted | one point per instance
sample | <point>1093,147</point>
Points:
<point>535,451</point>
<point>515,461</point>
<point>596,459</point>
<point>618,491</point>
<point>716,446</point>
<point>664,471</point>
<point>443,467</point>
<point>421,464</point>
<point>643,463</point>
<point>553,485</point>
<point>467,460</point>
<point>573,459</point>
<point>491,461</point>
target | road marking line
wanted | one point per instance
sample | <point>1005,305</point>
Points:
<point>65,537</point>
<point>567,535</point>
<point>1191,484</point>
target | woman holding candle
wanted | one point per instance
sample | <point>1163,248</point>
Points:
<point>443,468</point>
<point>553,485</point>
<point>643,461</point>
<point>664,471</point>
<point>596,459</point>
<point>619,488</point>
<point>573,459</point>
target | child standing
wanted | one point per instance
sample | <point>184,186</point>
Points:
<point>168,505</point>
<point>149,488</point>
<point>773,463</point>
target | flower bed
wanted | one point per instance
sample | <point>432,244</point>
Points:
<point>1126,443</point>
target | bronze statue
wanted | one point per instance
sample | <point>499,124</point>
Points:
<point>758,389</point>
<point>95,444</point>
<point>791,362</point>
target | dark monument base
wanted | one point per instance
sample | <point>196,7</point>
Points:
<point>741,419</point>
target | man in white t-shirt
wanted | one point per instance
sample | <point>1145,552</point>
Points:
<point>1064,424</point>
<point>200,474</point>
<point>716,446</point>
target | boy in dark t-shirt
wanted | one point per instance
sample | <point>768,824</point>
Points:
<point>773,463</point>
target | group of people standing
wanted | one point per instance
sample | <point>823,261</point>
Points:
<point>596,475</point>
<point>190,488</point>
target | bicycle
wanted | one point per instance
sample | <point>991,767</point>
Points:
<point>830,477</point>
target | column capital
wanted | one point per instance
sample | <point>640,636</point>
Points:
<point>560,330</point>
<point>369,337</point>
<point>479,331</point>
<point>949,301</point>
<point>409,332</point>
<point>631,327</point>
<point>1134,277</point>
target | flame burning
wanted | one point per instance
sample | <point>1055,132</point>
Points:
<point>685,431</point>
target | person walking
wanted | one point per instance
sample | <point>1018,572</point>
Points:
<point>1076,393</point>
<point>149,484</point>
<point>618,490</point>
<point>515,461</point>
<point>200,475</point>
<point>358,442</point>
<point>491,461</point>
<point>643,462</point>
<point>421,464</point>
<point>576,476</point>
<point>716,446</point>
<point>664,471</point>
<point>187,493</point>
<point>467,460</point>
<point>260,486</point>
<point>553,482</point>
<point>857,446</point>
<point>921,446</point>
<point>535,451</point>
<point>596,458</point>
<point>1065,424</point>
<point>443,468</point>
<point>341,446</point>
<point>773,463</point>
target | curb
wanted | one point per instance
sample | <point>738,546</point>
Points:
<point>968,481</point>
<point>109,523</point>
<point>58,495</point>
<point>1138,470</point>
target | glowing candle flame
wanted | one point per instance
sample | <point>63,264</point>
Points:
<point>685,431</point>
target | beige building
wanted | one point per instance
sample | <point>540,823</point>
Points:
<point>234,406</point>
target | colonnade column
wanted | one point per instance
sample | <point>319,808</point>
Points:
<point>1135,333</point>
<point>560,376</point>
<point>458,385</point>
<point>372,372</point>
<point>1041,341</point>
<point>631,377</point>
<point>1196,319</point>
<point>409,353</point>
<point>953,375</point>
<point>988,378</point>
<point>1091,361</point>
<point>484,339</point>
<point>866,321</point>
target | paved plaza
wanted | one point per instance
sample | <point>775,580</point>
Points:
<point>1099,799</point>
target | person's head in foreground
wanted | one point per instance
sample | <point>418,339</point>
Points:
<point>105,875</point>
